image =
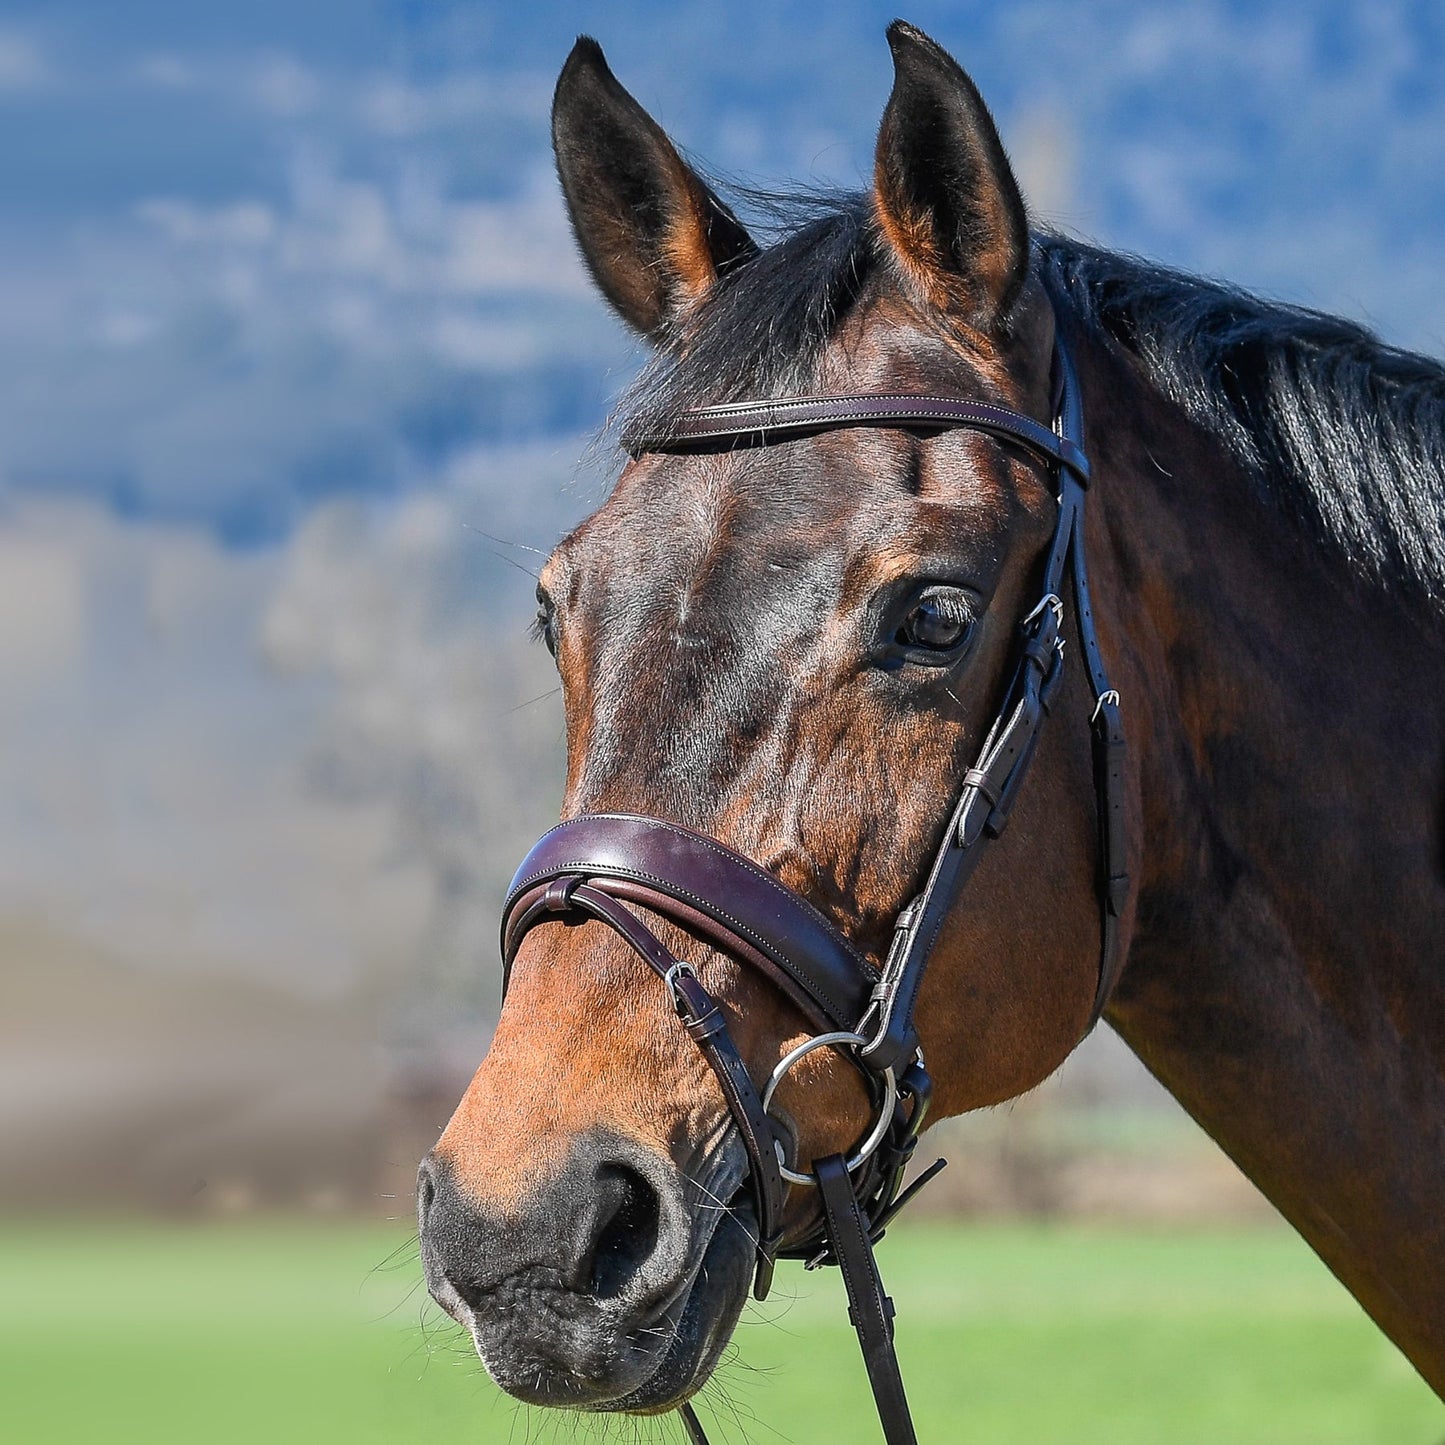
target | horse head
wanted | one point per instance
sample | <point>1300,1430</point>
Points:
<point>796,650</point>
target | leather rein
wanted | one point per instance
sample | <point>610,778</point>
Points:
<point>606,866</point>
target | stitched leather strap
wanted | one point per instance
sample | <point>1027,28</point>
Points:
<point>758,422</point>
<point>1107,723</point>
<point>709,889</point>
<point>569,896</point>
<point>981,813</point>
<point>731,903</point>
<point>990,786</point>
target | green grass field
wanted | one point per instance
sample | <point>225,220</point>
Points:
<point>319,1333</point>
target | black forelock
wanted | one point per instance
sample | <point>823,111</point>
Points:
<point>765,326</point>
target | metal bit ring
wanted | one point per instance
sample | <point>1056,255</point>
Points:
<point>885,1112</point>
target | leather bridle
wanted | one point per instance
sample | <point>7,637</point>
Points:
<point>606,866</point>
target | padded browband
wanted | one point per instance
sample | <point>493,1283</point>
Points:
<point>759,422</point>
<point>708,889</point>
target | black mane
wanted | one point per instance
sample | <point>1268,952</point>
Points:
<point>1344,434</point>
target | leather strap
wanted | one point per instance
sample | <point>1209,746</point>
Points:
<point>981,813</point>
<point>870,1310</point>
<point>678,874</point>
<point>708,1029</point>
<point>990,786</point>
<point>851,1239</point>
<point>759,422</point>
<point>706,887</point>
<point>1106,722</point>
<point>569,896</point>
<point>691,1424</point>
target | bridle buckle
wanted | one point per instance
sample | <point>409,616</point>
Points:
<point>673,979</point>
<point>1054,603</point>
<point>1110,695</point>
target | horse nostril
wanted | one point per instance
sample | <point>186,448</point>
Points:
<point>627,1223</point>
<point>426,1189</point>
<point>610,1226</point>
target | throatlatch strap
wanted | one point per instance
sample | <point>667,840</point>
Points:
<point>870,1311</point>
<point>1106,723</point>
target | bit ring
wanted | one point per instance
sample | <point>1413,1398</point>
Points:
<point>879,1130</point>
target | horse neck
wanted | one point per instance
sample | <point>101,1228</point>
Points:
<point>1285,974</point>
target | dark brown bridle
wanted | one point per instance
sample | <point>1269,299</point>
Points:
<point>605,866</point>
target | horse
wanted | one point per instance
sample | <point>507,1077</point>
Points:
<point>795,649</point>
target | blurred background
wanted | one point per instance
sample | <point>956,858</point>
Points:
<point>299,376</point>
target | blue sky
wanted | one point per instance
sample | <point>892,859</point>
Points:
<point>255,256</point>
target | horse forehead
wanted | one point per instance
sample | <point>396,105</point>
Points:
<point>713,548</point>
<point>702,586</point>
<point>748,571</point>
<point>694,530</point>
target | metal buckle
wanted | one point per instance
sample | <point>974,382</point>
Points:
<point>1051,600</point>
<point>1109,695</point>
<point>885,1113</point>
<point>680,969</point>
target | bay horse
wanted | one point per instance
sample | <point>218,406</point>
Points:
<point>794,650</point>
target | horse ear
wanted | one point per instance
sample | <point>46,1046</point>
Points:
<point>944,195</point>
<point>652,233</point>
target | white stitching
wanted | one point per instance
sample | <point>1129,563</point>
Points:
<point>671,890</point>
<point>702,423</point>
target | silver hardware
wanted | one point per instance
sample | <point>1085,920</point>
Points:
<point>681,969</point>
<point>1109,695</point>
<point>880,996</point>
<point>909,916</point>
<point>885,1112</point>
<point>1051,600</point>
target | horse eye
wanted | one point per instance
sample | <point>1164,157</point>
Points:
<point>544,625</point>
<point>937,622</point>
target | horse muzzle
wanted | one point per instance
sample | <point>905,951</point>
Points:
<point>612,1285</point>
